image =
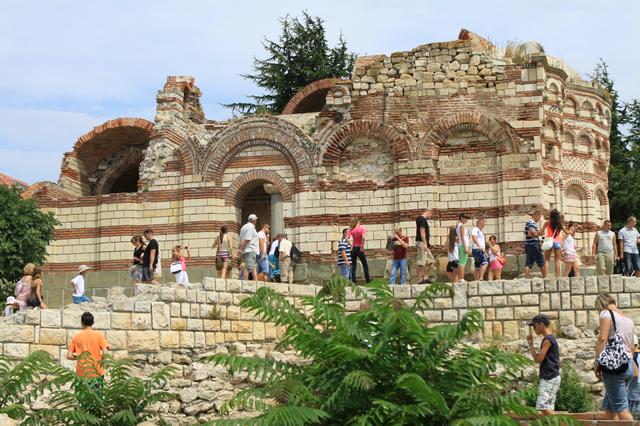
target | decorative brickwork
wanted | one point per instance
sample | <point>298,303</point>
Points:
<point>249,180</point>
<point>306,100</point>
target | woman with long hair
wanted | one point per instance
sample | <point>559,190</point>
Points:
<point>453,255</point>
<point>616,385</point>
<point>225,252</point>
<point>23,287</point>
<point>553,229</point>
<point>495,266</point>
<point>569,251</point>
<point>136,263</point>
<point>35,299</point>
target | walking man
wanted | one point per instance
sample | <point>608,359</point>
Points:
<point>94,344</point>
<point>400,261</point>
<point>286,267</point>
<point>479,250</point>
<point>532,248</point>
<point>605,249</point>
<point>629,238</point>
<point>249,247</point>
<point>424,258</point>
<point>150,258</point>
<point>344,255</point>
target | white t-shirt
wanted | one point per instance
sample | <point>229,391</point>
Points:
<point>492,256</point>
<point>569,246</point>
<point>79,284</point>
<point>248,232</point>
<point>453,256</point>
<point>605,242</point>
<point>629,236</point>
<point>476,232</point>
<point>285,247</point>
<point>262,236</point>
<point>272,250</point>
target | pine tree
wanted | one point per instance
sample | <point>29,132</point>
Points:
<point>624,196</point>
<point>300,56</point>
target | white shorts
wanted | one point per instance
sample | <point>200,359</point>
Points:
<point>182,278</point>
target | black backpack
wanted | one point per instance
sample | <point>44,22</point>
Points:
<point>295,254</point>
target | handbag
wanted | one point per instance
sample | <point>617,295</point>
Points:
<point>158,270</point>
<point>501,259</point>
<point>175,267</point>
<point>547,242</point>
<point>614,359</point>
<point>219,262</point>
<point>619,268</point>
<point>390,243</point>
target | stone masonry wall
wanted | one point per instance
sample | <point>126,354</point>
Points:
<point>169,325</point>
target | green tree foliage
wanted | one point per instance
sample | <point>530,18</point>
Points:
<point>300,56</point>
<point>121,401</point>
<point>381,365</point>
<point>25,232</point>
<point>624,141</point>
<point>22,382</point>
<point>573,395</point>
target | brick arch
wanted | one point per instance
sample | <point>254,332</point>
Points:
<point>436,137</point>
<point>124,161</point>
<point>333,144</point>
<point>247,181</point>
<point>140,123</point>
<point>601,195</point>
<point>578,184</point>
<point>188,157</point>
<point>276,133</point>
<point>303,96</point>
<point>574,100</point>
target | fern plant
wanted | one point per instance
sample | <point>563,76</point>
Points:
<point>381,365</point>
<point>122,400</point>
<point>21,382</point>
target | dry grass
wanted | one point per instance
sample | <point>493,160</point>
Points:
<point>517,51</point>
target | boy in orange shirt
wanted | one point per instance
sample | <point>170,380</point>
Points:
<point>90,341</point>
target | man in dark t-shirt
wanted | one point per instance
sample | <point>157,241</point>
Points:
<point>150,258</point>
<point>549,360</point>
<point>424,258</point>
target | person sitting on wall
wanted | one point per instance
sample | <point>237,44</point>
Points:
<point>78,284</point>
<point>88,347</point>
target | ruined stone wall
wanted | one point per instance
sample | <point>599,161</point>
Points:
<point>452,126</point>
<point>169,325</point>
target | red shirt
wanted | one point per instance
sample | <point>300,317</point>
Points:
<point>400,252</point>
<point>357,234</point>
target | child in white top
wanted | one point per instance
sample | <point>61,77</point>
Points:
<point>453,255</point>
<point>569,251</point>
<point>77,283</point>
<point>178,255</point>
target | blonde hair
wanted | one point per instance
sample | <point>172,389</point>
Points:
<point>603,301</point>
<point>397,230</point>
<point>28,269</point>
<point>175,253</point>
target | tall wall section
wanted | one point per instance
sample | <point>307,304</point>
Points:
<point>451,126</point>
<point>168,325</point>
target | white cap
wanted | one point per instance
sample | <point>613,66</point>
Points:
<point>11,300</point>
<point>252,217</point>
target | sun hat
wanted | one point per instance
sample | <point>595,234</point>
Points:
<point>252,217</point>
<point>83,268</point>
<point>11,300</point>
<point>540,318</point>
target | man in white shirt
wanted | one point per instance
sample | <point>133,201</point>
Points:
<point>77,283</point>
<point>479,250</point>
<point>605,249</point>
<point>286,267</point>
<point>249,246</point>
<point>629,238</point>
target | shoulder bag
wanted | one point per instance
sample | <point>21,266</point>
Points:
<point>391,243</point>
<point>175,267</point>
<point>614,359</point>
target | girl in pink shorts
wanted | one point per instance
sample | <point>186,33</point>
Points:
<point>495,259</point>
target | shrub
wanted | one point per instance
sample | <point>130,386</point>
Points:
<point>573,395</point>
<point>23,381</point>
<point>120,401</point>
<point>381,365</point>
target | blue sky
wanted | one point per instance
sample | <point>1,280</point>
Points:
<point>66,66</point>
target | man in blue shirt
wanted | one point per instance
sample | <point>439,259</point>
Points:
<point>344,255</point>
<point>532,248</point>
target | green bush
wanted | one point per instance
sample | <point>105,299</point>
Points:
<point>7,289</point>
<point>381,365</point>
<point>120,401</point>
<point>573,395</point>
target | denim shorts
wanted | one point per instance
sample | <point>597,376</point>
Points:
<point>479,258</point>
<point>79,299</point>
<point>615,390</point>
<point>533,255</point>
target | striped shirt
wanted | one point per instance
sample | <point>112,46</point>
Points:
<point>343,246</point>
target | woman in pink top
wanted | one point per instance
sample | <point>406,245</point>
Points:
<point>357,249</point>
<point>23,287</point>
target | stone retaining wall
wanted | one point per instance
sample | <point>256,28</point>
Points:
<point>169,325</point>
